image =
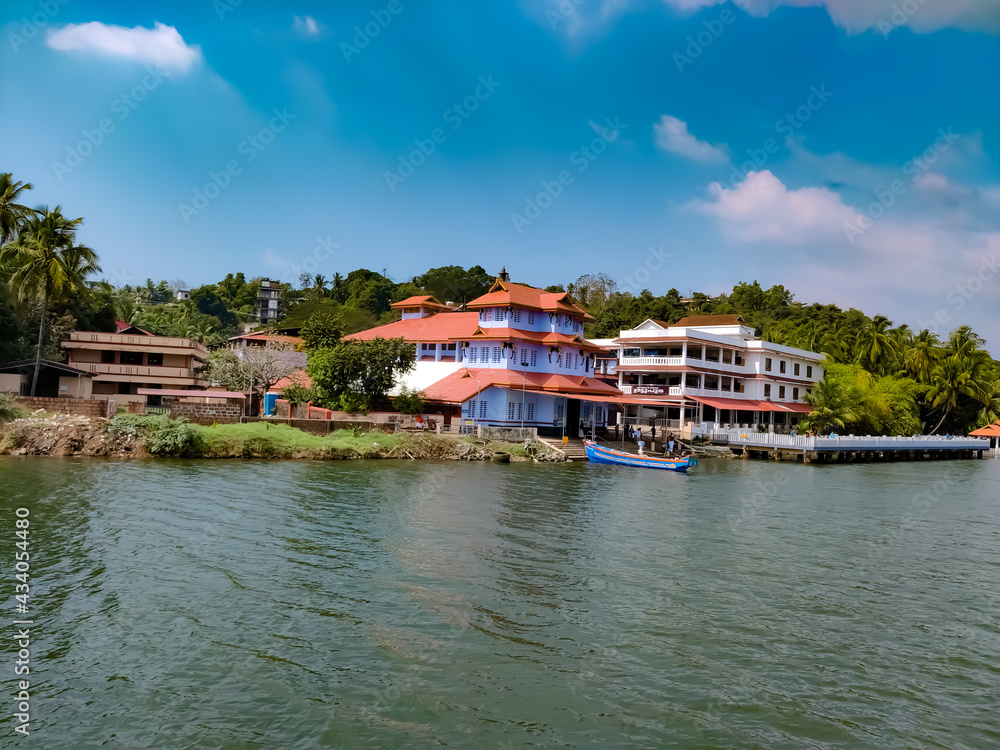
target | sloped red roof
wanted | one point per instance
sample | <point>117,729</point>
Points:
<point>463,384</point>
<point>751,405</point>
<point>506,294</point>
<point>538,337</point>
<point>298,377</point>
<point>992,430</point>
<point>123,326</point>
<point>441,328</point>
<point>427,300</point>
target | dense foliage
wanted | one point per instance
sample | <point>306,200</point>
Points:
<point>353,374</point>
<point>160,435</point>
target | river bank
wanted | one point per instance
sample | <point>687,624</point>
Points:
<point>129,436</point>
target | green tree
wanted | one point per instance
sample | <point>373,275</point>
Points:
<point>830,409</point>
<point>12,213</point>
<point>320,331</point>
<point>365,368</point>
<point>921,356</point>
<point>875,349</point>
<point>44,264</point>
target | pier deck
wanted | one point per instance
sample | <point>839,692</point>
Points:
<point>853,447</point>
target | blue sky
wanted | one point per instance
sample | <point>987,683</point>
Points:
<point>845,149</point>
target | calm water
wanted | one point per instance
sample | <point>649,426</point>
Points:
<point>222,604</point>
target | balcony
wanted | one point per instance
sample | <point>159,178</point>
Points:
<point>120,342</point>
<point>637,363</point>
<point>130,373</point>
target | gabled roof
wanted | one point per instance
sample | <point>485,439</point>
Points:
<point>537,337</point>
<point>710,320</point>
<point>441,328</point>
<point>461,385</point>
<point>131,330</point>
<point>992,430</point>
<point>428,301</point>
<point>506,294</point>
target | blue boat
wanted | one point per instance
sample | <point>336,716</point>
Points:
<point>600,455</point>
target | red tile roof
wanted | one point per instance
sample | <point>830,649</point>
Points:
<point>298,377</point>
<point>441,328</point>
<point>427,300</point>
<point>992,430</point>
<point>506,294</point>
<point>751,405</point>
<point>463,384</point>
<point>538,337</point>
<point>123,326</point>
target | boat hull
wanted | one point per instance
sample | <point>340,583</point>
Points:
<point>600,455</point>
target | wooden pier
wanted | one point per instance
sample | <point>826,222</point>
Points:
<point>852,448</point>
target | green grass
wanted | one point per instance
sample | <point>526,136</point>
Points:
<point>263,439</point>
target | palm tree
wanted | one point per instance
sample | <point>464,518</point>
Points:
<point>12,213</point>
<point>319,287</point>
<point>44,264</point>
<point>963,340</point>
<point>957,376</point>
<point>830,410</point>
<point>875,349</point>
<point>920,357</point>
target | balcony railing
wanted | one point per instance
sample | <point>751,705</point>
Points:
<point>138,342</point>
<point>103,368</point>
<point>626,363</point>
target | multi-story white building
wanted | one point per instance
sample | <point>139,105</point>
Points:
<point>516,357</point>
<point>711,372</point>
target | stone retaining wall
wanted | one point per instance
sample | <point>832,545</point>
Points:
<point>508,434</point>
<point>86,407</point>
<point>221,413</point>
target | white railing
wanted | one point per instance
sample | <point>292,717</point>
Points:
<point>629,362</point>
<point>626,362</point>
<point>853,442</point>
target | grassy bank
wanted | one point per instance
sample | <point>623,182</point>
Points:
<point>165,437</point>
<point>137,436</point>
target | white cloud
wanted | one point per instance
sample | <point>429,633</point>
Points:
<point>161,45</point>
<point>672,135</point>
<point>761,208</point>
<point>856,16</point>
<point>306,25</point>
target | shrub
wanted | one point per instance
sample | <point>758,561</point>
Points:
<point>353,402</point>
<point>8,408</point>
<point>160,435</point>
<point>176,438</point>
<point>409,402</point>
<point>296,394</point>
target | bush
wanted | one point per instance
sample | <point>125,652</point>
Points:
<point>160,435</point>
<point>177,438</point>
<point>409,402</point>
<point>296,394</point>
<point>8,408</point>
<point>353,402</point>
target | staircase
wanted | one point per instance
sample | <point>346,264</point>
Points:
<point>573,450</point>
